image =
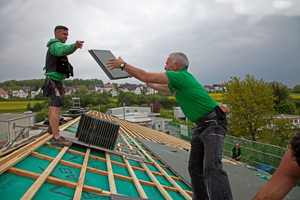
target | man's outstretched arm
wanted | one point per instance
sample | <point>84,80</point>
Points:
<point>159,87</point>
<point>160,78</point>
<point>283,180</point>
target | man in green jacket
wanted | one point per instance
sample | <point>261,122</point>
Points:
<point>58,68</point>
<point>236,152</point>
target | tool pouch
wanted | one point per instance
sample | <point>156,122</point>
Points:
<point>221,114</point>
<point>47,87</point>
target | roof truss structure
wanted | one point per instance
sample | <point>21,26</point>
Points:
<point>40,170</point>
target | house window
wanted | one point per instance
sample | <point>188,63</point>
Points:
<point>127,111</point>
<point>135,111</point>
<point>158,126</point>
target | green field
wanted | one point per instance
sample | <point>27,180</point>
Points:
<point>15,106</point>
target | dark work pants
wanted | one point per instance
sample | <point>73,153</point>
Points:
<point>205,166</point>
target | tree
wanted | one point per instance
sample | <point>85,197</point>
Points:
<point>156,107</point>
<point>280,91</point>
<point>286,107</point>
<point>283,132</point>
<point>28,106</point>
<point>251,107</point>
<point>126,97</point>
<point>82,91</point>
<point>297,89</point>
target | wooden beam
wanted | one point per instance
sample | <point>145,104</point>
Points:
<point>132,174</point>
<point>78,191</point>
<point>183,192</point>
<point>39,182</point>
<point>22,153</point>
<point>111,180</point>
<point>57,181</point>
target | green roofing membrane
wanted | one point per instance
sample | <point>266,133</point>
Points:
<point>73,158</point>
<point>97,164</point>
<point>163,181</point>
<point>97,153</point>
<point>152,168</point>
<point>126,188</point>
<point>120,170</point>
<point>96,180</point>
<point>33,164</point>
<point>152,192</point>
<point>175,195</point>
<point>48,151</point>
<point>13,186</point>
<point>116,158</point>
<point>183,185</point>
<point>142,176</point>
<point>134,163</point>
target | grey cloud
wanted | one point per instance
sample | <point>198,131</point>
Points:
<point>217,37</point>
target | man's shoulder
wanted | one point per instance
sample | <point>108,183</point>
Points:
<point>53,41</point>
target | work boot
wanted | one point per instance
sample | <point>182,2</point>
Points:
<point>61,142</point>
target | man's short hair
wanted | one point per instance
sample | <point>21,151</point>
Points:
<point>181,58</point>
<point>295,147</point>
<point>59,27</point>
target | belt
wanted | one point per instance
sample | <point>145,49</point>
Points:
<point>209,116</point>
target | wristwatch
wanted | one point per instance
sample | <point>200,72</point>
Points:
<point>122,65</point>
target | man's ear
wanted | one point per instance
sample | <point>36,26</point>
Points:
<point>177,66</point>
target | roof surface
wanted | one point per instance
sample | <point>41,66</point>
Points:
<point>42,171</point>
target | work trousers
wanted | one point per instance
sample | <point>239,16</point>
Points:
<point>205,166</point>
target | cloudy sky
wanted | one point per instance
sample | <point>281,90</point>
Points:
<point>222,38</point>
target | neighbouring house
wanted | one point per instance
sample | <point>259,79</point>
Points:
<point>96,88</point>
<point>126,87</point>
<point>136,90</point>
<point>113,92</point>
<point>70,91</point>
<point>34,93</point>
<point>25,88</point>
<point>19,93</point>
<point>108,87</point>
<point>126,90</point>
<point>209,88</point>
<point>219,87</point>
<point>3,93</point>
<point>295,119</point>
<point>150,90</point>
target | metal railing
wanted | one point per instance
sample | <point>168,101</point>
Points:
<point>259,155</point>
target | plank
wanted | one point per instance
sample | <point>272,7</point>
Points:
<point>111,180</point>
<point>39,182</point>
<point>132,174</point>
<point>183,192</point>
<point>57,181</point>
<point>78,191</point>
<point>22,153</point>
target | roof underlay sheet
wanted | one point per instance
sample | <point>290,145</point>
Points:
<point>39,170</point>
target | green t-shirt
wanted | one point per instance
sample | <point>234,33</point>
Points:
<point>192,98</point>
<point>237,151</point>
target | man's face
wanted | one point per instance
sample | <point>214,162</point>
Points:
<point>169,64</point>
<point>237,145</point>
<point>62,35</point>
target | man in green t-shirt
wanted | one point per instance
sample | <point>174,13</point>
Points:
<point>205,166</point>
<point>57,69</point>
<point>236,152</point>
